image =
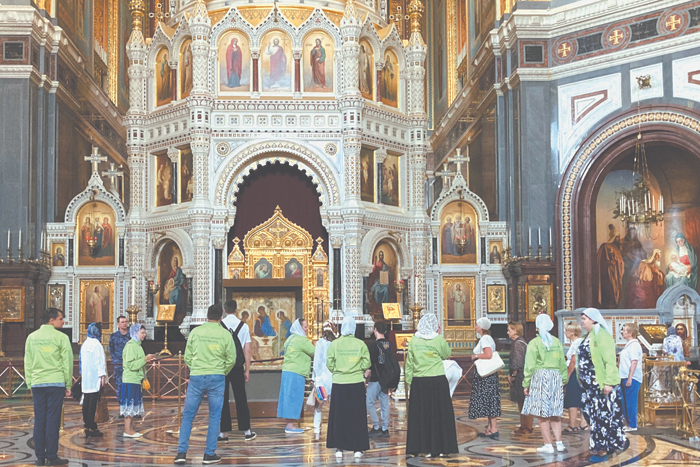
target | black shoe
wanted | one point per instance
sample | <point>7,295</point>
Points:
<point>57,461</point>
<point>121,416</point>
<point>251,436</point>
<point>384,434</point>
<point>181,458</point>
<point>374,432</point>
<point>493,435</point>
<point>138,417</point>
<point>213,459</point>
<point>40,461</point>
<point>95,433</point>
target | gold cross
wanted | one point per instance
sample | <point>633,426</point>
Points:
<point>159,14</point>
<point>616,37</point>
<point>278,230</point>
<point>673,22</point>
<point>564,50</point>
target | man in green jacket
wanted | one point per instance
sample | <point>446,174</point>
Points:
<point>48,367</point>
<point>210,355</point>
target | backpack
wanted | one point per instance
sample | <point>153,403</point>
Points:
<point>388,369</point>
<point>240,356</point>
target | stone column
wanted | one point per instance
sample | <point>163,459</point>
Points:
<point>297,73</point>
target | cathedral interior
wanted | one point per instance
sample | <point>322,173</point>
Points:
<point>382,159</point>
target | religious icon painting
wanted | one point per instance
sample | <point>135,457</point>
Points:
<point>163,80</point>
<point>366,70</point>
<point>390,79</point>
<point>319,60</point>
<point>277,62</point>
<point>495,298</point>
<point>269,315</point>
<point>459,301</point>
<point>96,305</point>
<point>382,278</point>
<point>186,176</point>
<point>459,236</point>
<point>540,299</point>
<point>234,63</point>
<point>58,254</point>
<point>293,269</point>
<point>402,339</point>
<point>173,282</point>
<point>97,244</point>
<point>55,297</point>
<point>12,304</point>
<point>185,69</point>
<point>391,187</point>
<point>164,180</point>
<point>320,277</point>
<point>495,251</point>
<point>262,269</point>
<point>367,174</point>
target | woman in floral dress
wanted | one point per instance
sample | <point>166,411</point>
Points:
<point>600,381</point>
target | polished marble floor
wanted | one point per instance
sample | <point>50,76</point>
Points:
<point>650,447</point>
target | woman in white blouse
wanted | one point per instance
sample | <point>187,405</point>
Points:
<point>631,374</point>
<point>93,373</point>
<point>485,401</point>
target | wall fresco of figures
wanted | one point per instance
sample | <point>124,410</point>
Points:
<point>635,266</point>
<point>234,62</point>
<point>367,174</point>
<point>185,69</point>
<point>390,79</point>
<point>186,176</point>
<point>277,62</point>
<point>391,180</point>
<point>382,279</point>
<point>459,235</point>
<point>318,63</point>
<point>366,70</point>
<point>163,72</point>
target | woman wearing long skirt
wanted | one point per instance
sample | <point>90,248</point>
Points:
<point>297,362</point>
<point>348,359</point>
<point>93,374</point>
<point>134,362</point>
<point>600,381</point>
<point>431,417</point>
<point>323,378</point>
<point>545,375</point>
<point>485,400</point>
<point>572,395</point>
<point>516,365</point>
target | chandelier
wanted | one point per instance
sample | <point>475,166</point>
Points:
<point>637,205</point>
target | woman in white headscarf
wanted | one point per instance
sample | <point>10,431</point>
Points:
<point>323,378</point>
<point>485,400</point>
<point>431,417</point>
<point>600,381</point>
<point>348,359</point>
<point>544,377</point>
<point>298,351</point>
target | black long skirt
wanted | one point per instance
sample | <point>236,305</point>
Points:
<point>347,418</point>
<point>431,418</point>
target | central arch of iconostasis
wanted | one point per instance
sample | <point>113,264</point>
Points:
<point>465,281</point>
<point>89,280</point>
<point>278,52</point>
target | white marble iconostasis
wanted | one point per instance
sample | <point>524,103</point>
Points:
<point>465,282</point>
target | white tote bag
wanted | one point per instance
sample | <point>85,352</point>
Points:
<point>488,367</point>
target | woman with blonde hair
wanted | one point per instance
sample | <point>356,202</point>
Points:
<point>631,373</point>
<point>572,395</point>
<point>516,365</point>
<point>545,375</point>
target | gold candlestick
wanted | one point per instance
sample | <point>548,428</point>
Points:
<point>165,350</point>
<point>133,312</point>
<point>416,309</point>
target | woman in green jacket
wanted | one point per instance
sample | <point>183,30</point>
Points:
<point>544,377</point>
<point>600,381</point>
<point>431,417</point>
<point>134,361</point>
<point>298,351</point>
<point>348,360</point>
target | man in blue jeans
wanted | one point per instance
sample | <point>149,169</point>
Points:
<point>48,368</point>
<point>210,355</point>
<point>374,389</point>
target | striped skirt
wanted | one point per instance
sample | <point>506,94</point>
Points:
<point>546,397</point>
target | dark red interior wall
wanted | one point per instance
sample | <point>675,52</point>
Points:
<point>277,185</point>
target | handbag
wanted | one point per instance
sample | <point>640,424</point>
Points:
<point>488,367</point>
<point>102,412</point>
<point>76,391</point>
<point>145,384</point>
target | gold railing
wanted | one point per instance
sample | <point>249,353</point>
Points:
<point>12,380</point>
<point>687,419</point>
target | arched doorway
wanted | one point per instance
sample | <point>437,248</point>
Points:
<point>672,143</point>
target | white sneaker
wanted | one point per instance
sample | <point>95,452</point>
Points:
<point>560,446</point>
<point>338,454</point>
<point>546,449</point>
<point>629,428</point>
<point>358,454</point>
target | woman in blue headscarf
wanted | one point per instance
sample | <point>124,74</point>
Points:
<point>93,372</point>
<point>134,361</point>
<point>544,377</point>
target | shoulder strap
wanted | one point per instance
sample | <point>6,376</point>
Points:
<point>238,328</point>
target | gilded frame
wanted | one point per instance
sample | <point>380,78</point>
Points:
<point>543,290</point>
<point>12,298</point>
<point>493,304</point>
<point>85,285</point>
<point>402,339</point>
<point>465,331</point>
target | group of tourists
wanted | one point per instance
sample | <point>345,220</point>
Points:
<point>544,381</point>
